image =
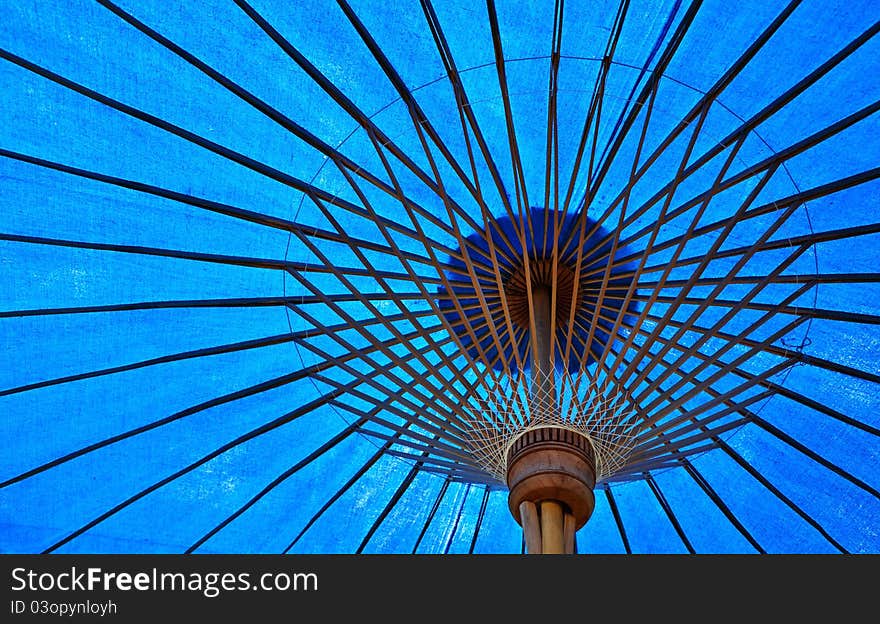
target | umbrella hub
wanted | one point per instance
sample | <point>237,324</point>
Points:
<point>555,277</point>
<point>500,267</point>
<point>551,473</point>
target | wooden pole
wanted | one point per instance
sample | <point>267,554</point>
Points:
<point>551,469</point>
<point>531,525</point>
<point>543,394</point>
<point>552,540</point>
<point>568,533</point>
<point>543,388</point>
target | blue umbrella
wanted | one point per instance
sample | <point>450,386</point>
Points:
<point>316,277</point>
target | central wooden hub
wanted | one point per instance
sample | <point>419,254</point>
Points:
<point>552,464</point>
<point>541,271</point>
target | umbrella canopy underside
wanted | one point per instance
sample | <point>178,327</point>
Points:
<point>267,271</point>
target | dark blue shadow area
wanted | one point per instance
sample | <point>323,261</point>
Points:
<point>539,242</point>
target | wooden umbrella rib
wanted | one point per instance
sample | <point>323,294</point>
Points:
<point>800,447</point>
<point>441,425</point>
<point>248,97</point>
<point>677,370</point>
<point>467,118</point>
<point>813,238</point>
<point>759,117</point>
<point>224,152</point>
<point>441,396</point>
<point>522,199</point>
<point>793,92</point>
<point>449,540</point>
<point>740,407</point>
<point>480,516</point>
<point>683,436</point>
<point>420,119</point>
<point>609,496</point>
<point>676,443</point>
<point>491,224</point>
<point>595,107</point>
<point>687,422</point>
<point>796,310</point>
<point>469,264</point>
<point>232,396</point>
<point>244,302</point>
<point>668,268</point>
<point>711,299</point>
<point>261,430</point>
<point>744,303</point>
<point>817,406</point>
<point>753,418</point>
<point>709,96</point>
<point>667,509</point>
<point>352,352</point>
<point>233,260</point>
<point>795,354</point>
<point>551,158</point>
<point>521,192</point>
<point>713,495</point>
<point>395,498</point>
<point>704,485</point>
<point>462,476</point>
<point>224,209</point>
<point>635,472</point>
<point>771,161</point>
<point>581,222</point>
<point>284,476</point>
<point>789,278</point>
<point>374,416</point>
<point>647,440</point>
<point>463,104</point>
<point>713,359</point>
<point>476,283</point>
<point>552,168</point>
<point>800,197</point>
<point>669,190</point>
<point>776,389</point>
<point>149,189</point>
<point>361,471</point>
<point>765,482</point>
<point>631,288</point>
<point>363,354</point>
<point>478,325</point>
<point>412,275</point>
<point>616,236</point>
<point>244,345</point>
<point>351,109</point>
<point>639,442</point>
<point>423,445</point>
<point>232,155</point>
<point>581,215</point>
<point>428,458</point>
<point>651,85</point>
<point>434,507</point>
<point>654,233</point>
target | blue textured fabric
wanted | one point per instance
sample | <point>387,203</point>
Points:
<point>801,476</point>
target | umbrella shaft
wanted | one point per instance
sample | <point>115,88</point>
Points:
<point>543,386</point>
<point>548,528</point>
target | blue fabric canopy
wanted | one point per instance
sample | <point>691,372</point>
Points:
<point>233,236</point>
